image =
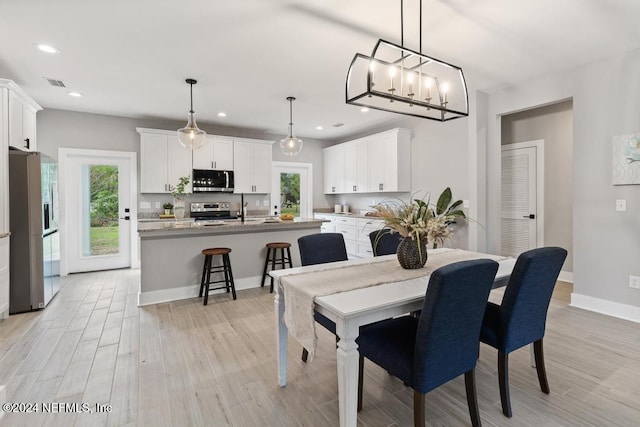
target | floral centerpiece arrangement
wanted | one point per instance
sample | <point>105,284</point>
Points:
<point>419,223</point>
<point>179,196</point>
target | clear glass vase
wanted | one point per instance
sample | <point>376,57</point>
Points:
<point>178,208</point>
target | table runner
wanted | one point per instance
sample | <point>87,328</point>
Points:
<point>301,289</point>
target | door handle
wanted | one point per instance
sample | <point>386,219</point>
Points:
<point>530,216</point>
<point>126,218</point>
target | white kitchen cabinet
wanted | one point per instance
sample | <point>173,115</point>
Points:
<point>216,153</point>
<point>348,227</point>
<point>333,168</point>
<point>376,164</point>
<point>356,166</point>
<point>252,165</point>
<point>366,226</point>
<point>326,227</point>
<point>390,161</point>
<point>21,110</point>
<point>163,160</point>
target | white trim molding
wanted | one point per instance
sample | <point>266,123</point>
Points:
<point>610,308</point>
<point>185,292</point>
<point>566,276</point>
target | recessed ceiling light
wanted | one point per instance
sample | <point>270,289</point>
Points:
<point>319,128</point>
<point>75,94</point>
<point>221,114</point>
<point>364,109</point>
<point>47,48</point>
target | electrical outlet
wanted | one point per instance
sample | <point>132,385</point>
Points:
<point>634,282</point>
<point>158,205</point>
<point>258,203</point>
<point>265,203</point>
<point>621,205</point>
<point>465,203</point>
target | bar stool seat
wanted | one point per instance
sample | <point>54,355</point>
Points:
<point>272,256</point>
<point>209,268</point>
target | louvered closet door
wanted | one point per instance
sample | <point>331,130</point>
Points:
<point>519,214</point>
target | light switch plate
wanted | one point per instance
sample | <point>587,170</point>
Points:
<point>634,282</point>
<point>621,205</point>
<point>158,205</point>
<point>465,203</point>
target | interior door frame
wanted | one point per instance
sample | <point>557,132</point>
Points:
<point>277,167</point>
<point>538,144</point>
<point>64,155</point>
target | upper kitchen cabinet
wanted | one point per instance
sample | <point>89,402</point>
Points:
<point>356,166</point>
<point>252,165</point>
<point>163,160</point>
<point>376,164</point>
<point>333,169</point>
<point>19,111</point>
<point>390,161</point>
<point>216,153</point>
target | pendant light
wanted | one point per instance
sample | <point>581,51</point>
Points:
<point>191,136</point>
<point>397,79</point>
<point>291,146</point>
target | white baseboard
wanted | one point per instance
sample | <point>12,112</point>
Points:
<point>610,308</point>
<point>566,276</point>
<point>184,292</point>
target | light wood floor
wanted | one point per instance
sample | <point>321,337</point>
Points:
<point>183,364</point>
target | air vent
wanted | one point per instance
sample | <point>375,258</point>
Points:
<point>56,83</point>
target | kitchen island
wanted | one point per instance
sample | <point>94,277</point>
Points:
<point>171,260</point>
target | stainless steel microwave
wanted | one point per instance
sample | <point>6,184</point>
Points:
<point>212,181</point>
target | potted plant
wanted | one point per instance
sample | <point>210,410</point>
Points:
<point>167,208</point>
<point>419,223</point>
<point>179,196</point>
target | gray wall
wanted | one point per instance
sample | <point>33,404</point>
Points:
<point>553,124</point>
<point>606,243</point>
<point>69,129</point>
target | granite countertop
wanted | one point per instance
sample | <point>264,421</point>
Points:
<point>189,226</point>
<point>349,214</point>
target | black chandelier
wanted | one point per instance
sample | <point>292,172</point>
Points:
<point>400,80</point>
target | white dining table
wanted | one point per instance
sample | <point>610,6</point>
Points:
<point>352,309</point>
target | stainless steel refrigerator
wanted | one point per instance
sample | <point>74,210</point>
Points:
<point>33,222</point>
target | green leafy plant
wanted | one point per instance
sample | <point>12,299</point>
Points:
<point>178,192</point>
<point>419,220</point>
<point>168,205</point>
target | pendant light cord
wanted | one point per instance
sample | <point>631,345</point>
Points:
<point>402,23</point>
<point>191,92</point>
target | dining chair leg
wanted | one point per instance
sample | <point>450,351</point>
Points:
<point>360,381</point>
<point>305,355</point>
<point>542,372</point>
<point>418,409</point>
<point>472,397</point>
<point>503,375</point>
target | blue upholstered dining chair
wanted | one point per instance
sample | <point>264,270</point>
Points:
<point>521,318</point>
<point>321,248</point>
<point>443,343</point>
<point>383,242</point>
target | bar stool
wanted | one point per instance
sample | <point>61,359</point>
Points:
<point>275,260</point>
<point>208,268</point>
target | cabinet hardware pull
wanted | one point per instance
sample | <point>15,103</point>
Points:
<point>380,186</point>
<point>530,216</point>
<point>27,141</point>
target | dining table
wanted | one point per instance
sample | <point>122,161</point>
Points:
<point>386,296</point>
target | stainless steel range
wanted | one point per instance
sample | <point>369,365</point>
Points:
<point>209,211</point>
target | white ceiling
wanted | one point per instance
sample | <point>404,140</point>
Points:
<point>131,57</point>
